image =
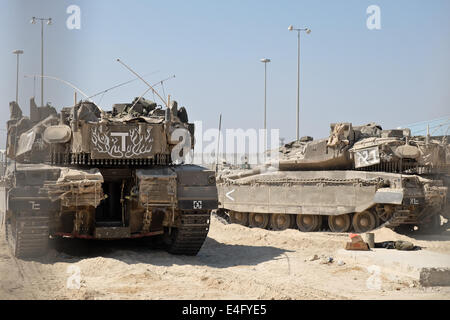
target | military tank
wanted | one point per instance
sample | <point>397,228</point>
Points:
<point>93,174</point>
<point>358,179</point>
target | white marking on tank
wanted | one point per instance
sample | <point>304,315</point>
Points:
<point>124,135</point>
<point>228,194</point>
<point>115,143</point>
<point>35,206</point>
<point>198,204</point>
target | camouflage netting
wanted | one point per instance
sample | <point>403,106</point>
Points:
<point>337,136</point>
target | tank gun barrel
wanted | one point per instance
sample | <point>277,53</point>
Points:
<point>255,171</point>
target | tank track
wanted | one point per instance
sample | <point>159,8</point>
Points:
<point>401,217</point>
<point>189,237</point>
<point>28,237</point>
<point>398,218</point>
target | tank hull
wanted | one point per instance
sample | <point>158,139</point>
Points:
<point>107,203</point>
<point>330,196</point>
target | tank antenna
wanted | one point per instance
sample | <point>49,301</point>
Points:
<point>145,92</point>
<point>137,75</point>
<point>121,84</point>
<point>138,99</point>
<point>69,84</point>
<point>63,81</point>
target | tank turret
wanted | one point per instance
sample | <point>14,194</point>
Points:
<point>368,147</point>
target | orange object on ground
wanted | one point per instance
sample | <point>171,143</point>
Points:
<point>357,246</point>
<point>357,243</point>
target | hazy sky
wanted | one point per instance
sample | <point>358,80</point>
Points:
<point>394,76</point>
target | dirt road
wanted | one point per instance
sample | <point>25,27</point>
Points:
<point>234,263</point>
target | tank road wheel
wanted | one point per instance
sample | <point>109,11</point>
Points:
<point>258,220</point>
<point>239,218</point>
<point>364,221</point>
<point>280,221</point>
<point>188,238</point>
<point>309,223</point>
<point>341,223</point>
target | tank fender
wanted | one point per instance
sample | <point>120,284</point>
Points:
<point>389,196</point>
<point>196,188</point>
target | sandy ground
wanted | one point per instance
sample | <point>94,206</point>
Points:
<point>234,263</point>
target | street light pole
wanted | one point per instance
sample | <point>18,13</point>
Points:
<point>17,53</point>
<point>308,31</point>
<point>42,63</point>
<point>265,61</point>
<point>298,86</point>
<point>49,22</point>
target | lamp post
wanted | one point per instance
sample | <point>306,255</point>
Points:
<point>265,61</point>
<point>49,22</point>
<point>17,53</point>
<point>308,31</point>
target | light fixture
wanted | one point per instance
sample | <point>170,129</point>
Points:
<point>290,28</point>
<point>33,20</point>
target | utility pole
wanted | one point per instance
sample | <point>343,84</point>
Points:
<point>265,61</point>
<point>308,31</point>
<point>17,53</point>
<point>49,22</point>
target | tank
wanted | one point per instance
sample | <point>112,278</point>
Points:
<point>93,174</point>
<point>358,179</point>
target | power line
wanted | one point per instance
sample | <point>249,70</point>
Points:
<point>436,127</point>
<point>427,122</point>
